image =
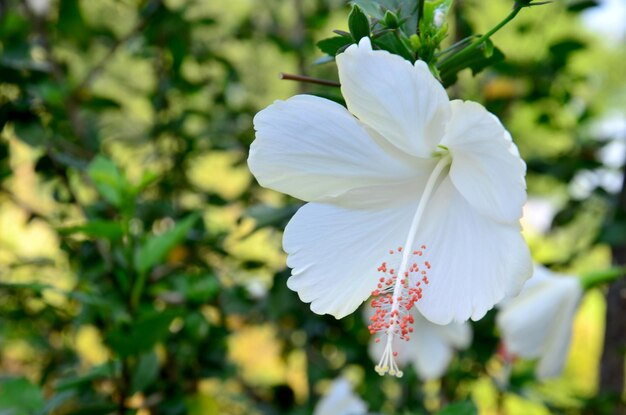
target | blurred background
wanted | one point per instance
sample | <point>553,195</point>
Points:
<point>141,269</point>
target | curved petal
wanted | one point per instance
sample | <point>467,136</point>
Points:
<point>432,354</point>
<point>315,150</point>
<point>334,252</point>
<point>403,102</point>
<point>458,335</point>
<point>475,260</point>
<point>434,345</point>
<point>486,166</point>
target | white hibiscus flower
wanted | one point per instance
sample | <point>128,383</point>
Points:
<point>430,350</point>
<point>537,324</point>
<point>404,171</point>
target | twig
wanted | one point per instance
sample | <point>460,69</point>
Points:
<point>308,79</point>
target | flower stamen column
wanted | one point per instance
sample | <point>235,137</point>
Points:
<point>388,321</point>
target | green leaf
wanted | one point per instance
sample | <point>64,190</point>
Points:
<point>108,180</point>
<point>460,408</point>
<point>147,179</point>
<point>20,397</point>
<point>98,372</point>
<point>406,10</point>
<point>201,289</point>
<point>334,45</point>
<point>146,372</point>
<point>580,5</point>
<point>157,247</point>
<point>358,23</point>
<point>97,229</point>
<point>35,286</point>
<point>31,132</point>
<point>140,336</point>
<point>390,42</point>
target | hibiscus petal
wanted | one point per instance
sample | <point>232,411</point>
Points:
<point>486,166</point>
<point>315,150</point>
<point>334,253</point>
<point>434,345</point>
<point>538,322</point>
<point>430,348</point>
<point>432,353</point>
<point>403,102</point>
<point>475,260</point>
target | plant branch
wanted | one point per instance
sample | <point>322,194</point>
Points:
<point>308,79</point>
<point>452,60</point>
<point>594,279</point>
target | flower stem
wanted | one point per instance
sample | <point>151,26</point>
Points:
<point>454,59</point>
<point>596,278</point>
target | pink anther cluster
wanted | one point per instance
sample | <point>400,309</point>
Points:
<point>392,303</point>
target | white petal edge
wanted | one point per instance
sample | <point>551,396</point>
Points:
<point>476,261</point>
<point>403,102</point>
<point>315,150</point>
<point>486,166</point>
<point>334,252</point>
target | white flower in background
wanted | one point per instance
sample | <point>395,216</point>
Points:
<point>39,7</point>
<point>539,213</point>
<point>537,324</point>
<point>430,350</point>
<point>404,183</point>
<point>440,16</point>
<point>340,399</point>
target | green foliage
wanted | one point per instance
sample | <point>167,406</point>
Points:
<point>406,10</point>
<point>358,23</point>
<point>20,397</point>
<point>460,408</point>
<point>154,250</point>
<point>134,253</point>
<point>141,335</point>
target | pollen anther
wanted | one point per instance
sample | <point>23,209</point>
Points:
<point>392,303</point>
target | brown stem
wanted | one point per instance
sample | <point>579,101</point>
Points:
<point>612,362</point>
<point>308,79</point>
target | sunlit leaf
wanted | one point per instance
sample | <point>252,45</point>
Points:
<point>97,229</point>
<point>154,250</point>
